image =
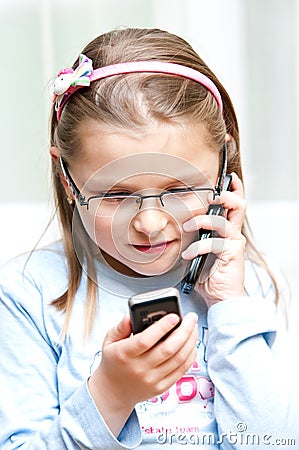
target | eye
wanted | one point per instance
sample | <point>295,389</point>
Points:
<point>115,197</point>
<point>179,190</point>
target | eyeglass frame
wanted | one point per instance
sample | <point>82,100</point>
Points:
<point>85,202</point>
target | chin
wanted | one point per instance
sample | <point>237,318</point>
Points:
<point>151,273</point>
<point>132,267</point>
<point>154,270</point>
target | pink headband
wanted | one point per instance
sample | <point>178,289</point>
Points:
<point>69,81</point>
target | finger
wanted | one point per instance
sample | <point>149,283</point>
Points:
<point>171,355</point>
<point>170,378</point>
<point>233,202</point>
<point>142,342</point>
<point>222,248</point>
<point>214,245</point>
<point>236,188</point>
<point>121,331</point>
<point>214,223</point>
<point>236,185</point>
<point>234,205</point>
<point>175,342</point>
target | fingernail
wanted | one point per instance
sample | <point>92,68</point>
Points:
<point>195,317</point>
<point>187,226</point>
<point>185,254</point>
<point>173,319</point>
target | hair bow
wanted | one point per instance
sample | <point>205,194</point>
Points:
<point>69,80</point>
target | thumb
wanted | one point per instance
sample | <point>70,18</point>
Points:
<point>121,331</point>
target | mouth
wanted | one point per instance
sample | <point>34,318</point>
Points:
<point>153,248</point>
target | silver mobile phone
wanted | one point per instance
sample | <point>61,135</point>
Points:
<point>149,307</point>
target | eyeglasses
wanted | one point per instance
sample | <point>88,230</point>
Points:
<point>173,200</point>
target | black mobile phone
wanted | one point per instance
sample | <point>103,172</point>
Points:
<point>197,265</point>
<point>149,307</point>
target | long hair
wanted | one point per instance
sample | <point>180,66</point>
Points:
<point>129,102</point>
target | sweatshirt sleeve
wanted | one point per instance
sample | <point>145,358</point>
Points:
<point>31,415</point>
<point>254,397</point>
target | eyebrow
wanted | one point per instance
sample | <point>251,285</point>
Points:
<point>105,183</point>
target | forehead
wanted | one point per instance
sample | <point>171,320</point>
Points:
<point>148,169</point>
<point>177,152</point>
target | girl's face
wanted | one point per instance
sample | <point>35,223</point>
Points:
<point>137,237</point>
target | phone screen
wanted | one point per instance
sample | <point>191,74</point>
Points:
<point>149,307</point>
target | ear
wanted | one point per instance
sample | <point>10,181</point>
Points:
<point>228,137</point>
<point>55,155</point>
<point>231,145</point>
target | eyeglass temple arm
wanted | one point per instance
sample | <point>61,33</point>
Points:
<point>72,184</point>
<point>219,186</point>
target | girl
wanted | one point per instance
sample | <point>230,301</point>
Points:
<point>140,133</point>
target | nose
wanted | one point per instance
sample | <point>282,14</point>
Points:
<point>150,221</point>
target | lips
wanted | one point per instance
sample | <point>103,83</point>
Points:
<point>152,248</point>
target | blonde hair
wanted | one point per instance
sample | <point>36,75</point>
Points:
<point>130,102</point>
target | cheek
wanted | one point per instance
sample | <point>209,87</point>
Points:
<point>98,228</point>
<point>108,235</point>
<point>102,232</point>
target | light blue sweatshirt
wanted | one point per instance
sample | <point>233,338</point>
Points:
<point>232,394</point>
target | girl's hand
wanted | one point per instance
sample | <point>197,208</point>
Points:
<point>138,367</point>
<point>226,277</point>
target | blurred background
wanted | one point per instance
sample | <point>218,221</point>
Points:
<point>251,45</point>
